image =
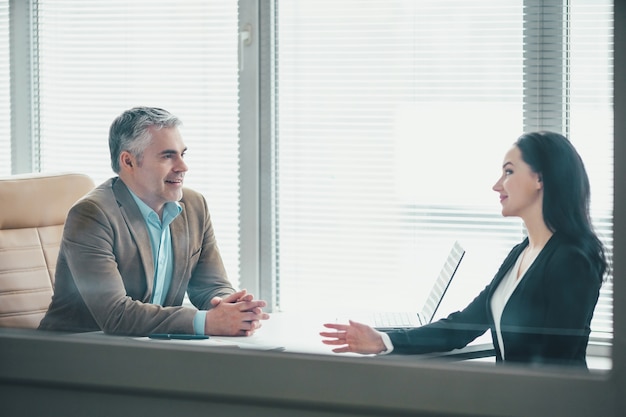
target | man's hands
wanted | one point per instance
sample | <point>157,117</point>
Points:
<point>354,337</point>
<point>236,315</point>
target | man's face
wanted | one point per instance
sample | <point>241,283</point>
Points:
<point>158,177</point>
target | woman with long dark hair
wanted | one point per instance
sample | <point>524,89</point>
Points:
<point>540,303</point>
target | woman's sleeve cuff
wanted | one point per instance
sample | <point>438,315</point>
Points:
<point>387,342</point>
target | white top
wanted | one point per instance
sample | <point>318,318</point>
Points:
<point>501,296</point>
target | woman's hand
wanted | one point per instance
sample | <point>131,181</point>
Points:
<point>354,337</point>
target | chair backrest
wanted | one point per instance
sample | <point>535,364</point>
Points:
<point>33,208</point>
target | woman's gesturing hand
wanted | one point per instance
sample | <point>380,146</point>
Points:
<point>353,337</point>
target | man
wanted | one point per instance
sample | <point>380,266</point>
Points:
<point>134,245</point>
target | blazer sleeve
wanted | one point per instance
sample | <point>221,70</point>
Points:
<point>452,332</point>
<point>208,276</point>
<point>459,328</point>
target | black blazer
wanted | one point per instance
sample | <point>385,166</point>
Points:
<point>546,320</point>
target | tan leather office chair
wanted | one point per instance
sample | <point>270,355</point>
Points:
<point>33,208</point>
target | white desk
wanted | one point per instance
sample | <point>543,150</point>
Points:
<point>299,333</point>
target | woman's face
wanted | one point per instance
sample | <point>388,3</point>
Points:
<point>520,189</point>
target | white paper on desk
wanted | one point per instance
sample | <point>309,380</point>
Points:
<point>202,342</point>
<point>250,342</point>
<point>217,341</point>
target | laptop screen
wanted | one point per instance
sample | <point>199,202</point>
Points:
<point>443,282</point>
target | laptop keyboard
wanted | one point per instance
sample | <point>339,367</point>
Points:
<point>392,319</point>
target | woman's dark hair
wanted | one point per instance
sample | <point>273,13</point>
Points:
<point>566,191</point>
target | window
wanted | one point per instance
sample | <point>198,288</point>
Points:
<point>591,127</point>
<point>5,90</point>
<point>98,58</point>
<point>392,121</point>
<point>382,107</point>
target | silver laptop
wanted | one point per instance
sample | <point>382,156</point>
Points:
<point>401,320</point>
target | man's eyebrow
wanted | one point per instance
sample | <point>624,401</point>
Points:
<point>171,151</point>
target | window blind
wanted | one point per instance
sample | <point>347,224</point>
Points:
<point>392,121</point>
<point>97,58</point>
<point>5,90</point>
<point>591,126</point>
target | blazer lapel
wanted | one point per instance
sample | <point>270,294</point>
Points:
<point>508,263</point>
<point>138,230</point>
<point>180,250</point>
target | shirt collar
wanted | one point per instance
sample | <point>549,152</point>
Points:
<point>171,209</point>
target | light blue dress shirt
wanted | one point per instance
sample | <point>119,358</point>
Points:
<point>161,244</point>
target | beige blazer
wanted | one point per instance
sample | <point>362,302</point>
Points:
<point>105,271</point>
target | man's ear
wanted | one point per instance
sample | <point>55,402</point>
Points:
<point>127,160</point>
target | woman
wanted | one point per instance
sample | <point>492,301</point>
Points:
<point>540,303</point>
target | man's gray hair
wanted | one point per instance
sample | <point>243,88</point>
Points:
<point>130,131</point>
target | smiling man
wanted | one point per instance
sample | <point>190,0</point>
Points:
<point>133,246</point>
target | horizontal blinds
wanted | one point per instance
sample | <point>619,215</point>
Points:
<point>393,118</point>
<point>392,121</point>
<point>5,90</point>
<point>591,125</point>
<point>98,58</point>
